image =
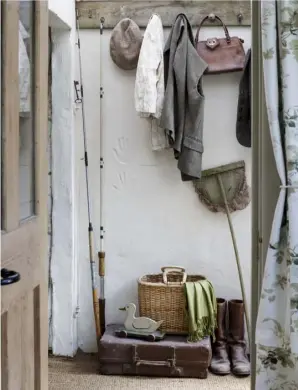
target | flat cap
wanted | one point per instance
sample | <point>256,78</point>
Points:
<point>125,44</point>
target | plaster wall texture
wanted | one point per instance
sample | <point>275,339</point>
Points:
<point>151,217</point>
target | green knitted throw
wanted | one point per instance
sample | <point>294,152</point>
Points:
<point>201,309</point>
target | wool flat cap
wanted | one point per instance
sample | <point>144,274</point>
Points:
<point>125,44</point>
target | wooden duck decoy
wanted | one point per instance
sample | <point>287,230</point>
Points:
<point>138,324</point>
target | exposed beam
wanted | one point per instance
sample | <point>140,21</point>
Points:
<point>91,11</point>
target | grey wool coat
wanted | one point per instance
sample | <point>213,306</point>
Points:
<point>183,110</point>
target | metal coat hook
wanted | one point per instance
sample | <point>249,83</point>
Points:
<point>240,18</point>
<point>211,17</point>
<point>101,26</point>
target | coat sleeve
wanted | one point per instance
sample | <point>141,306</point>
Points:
<point>148,85</point>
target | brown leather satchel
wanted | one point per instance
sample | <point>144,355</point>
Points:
<point>222,55</point>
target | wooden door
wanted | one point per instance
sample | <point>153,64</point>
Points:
<point>24,316</point>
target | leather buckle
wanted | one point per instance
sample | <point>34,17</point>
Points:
<point>212,43</point>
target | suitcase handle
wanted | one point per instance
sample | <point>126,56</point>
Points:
<point>176,270</point>
<point>165,363</point>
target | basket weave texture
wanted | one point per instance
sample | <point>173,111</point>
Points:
<point>160,301</point>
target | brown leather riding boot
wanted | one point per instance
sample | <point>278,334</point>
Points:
<point>220,363</point>
<point>237,346</point>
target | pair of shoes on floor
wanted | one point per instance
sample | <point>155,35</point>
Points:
<point>229,348</point>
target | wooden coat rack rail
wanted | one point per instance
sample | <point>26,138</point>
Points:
<point>232,12</point>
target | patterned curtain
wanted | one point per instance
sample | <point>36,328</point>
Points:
<point>277,325</point>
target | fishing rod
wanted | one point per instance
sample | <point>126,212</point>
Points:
<point>80,99</point>
<point>101,253</point>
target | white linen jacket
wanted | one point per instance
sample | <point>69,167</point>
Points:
<point>149,84</point>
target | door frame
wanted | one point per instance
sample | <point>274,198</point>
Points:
<point>265,179</point>
<point>64,288</point>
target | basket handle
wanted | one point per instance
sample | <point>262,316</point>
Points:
<point>176,270</point>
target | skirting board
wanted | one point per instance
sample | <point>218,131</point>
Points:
<point>91,11</point>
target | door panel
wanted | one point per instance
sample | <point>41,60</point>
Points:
<point>24,315</point>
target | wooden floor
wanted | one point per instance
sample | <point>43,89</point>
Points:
<point>81,373</point>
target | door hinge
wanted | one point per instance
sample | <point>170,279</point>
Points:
<point>101,92</point>
<point>79,91</point>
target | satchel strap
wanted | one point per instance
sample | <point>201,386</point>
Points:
<point>228,38</point>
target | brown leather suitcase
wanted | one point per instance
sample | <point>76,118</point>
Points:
<point>171,357</point>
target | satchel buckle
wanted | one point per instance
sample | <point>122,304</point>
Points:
<point>212,43</point>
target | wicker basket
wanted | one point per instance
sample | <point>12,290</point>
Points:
<point>162,297</point>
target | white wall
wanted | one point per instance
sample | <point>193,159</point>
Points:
<point>63,10</point>
<point>63,252</point>
<point>152,218</point>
